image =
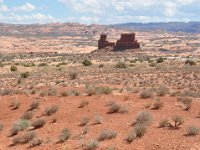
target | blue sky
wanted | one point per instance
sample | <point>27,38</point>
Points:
<point>98,11</point>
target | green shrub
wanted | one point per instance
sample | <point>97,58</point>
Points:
<point>19,126</point>
<point>87,62</point>
<point>120,65</point>
<point>25,75</point>
<point>65,135</point>
<point>28,115</point>
<point>160,60</point>
<point>13,68</point>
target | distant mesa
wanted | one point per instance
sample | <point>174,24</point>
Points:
<point>127,41</point>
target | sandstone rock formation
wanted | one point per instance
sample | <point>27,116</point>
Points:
<point>102,43</point>
<point>127,41</point>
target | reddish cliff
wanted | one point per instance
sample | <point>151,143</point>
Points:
<point>103,42</point>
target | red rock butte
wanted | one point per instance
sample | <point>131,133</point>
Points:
<point>127,41</point>
<point>103,43</point>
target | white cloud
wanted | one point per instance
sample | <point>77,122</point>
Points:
<point>26,7</point>
<point>3,8</point>
<point>24,19</point>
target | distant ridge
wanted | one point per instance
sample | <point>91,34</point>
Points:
<point>190,27</point>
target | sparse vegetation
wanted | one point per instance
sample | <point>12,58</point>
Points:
<point>146,94</point>
<point>107,135</point>
<point>190,62</point>
<point>34,105</point>
<point>157,104</point>
<point>15,105</point>
<point>25,138</point>
<point>121,65</point>
<point>87,62</point>
<point>50,110</point>
<point>83,104</point>
<point>13,68</point>
<point>92,145</point>
<point>28,115</point>
<point>192,130</point>
<point>160,60</point>
<point>186,102</point>
<point>84,121</point>
<point>143,118</point>
<point>163,123</point>
<point>25,75</point>
<point>64,135</point>
<point>38,123</point>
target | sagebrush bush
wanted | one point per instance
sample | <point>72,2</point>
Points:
<point>160,60</point>
<point>28,115</point>
<point>98,120</point>
<point>25,74</point>
<point>186,101</point>
<point>84,121</point>
<point>98,91</point>
<point>120,65</point>
<point>144,118</point>
<point>157,104</point>
<point>163,123</point>
<point>39,123</point>
<point>178,120</point>
<point>83,104</point>
<point>87,62</point>
<point>64,135</point>
<point>140,130</point>
<point>131,136</point>
<point>192,130</point>
<point>35,142</point>
<point>50,110</point>
<point>15,105</point>
<point>107,135</point>
<point>162,91</point>
<point>34,105</point>
<point>25,138</point>
<point>19,126</point>
<point>114,108</point>
<point>13,68</point>
<point>92,145</point>
<point>146,94</point>
<point>190,62</point>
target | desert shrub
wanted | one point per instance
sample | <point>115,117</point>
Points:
<point>85,130</point>
<point>146,94</point>
<point>190,62</point>
<point>87,62</point>
<point>157,104</point>
<point>84,121</point>
<point>42,64</point>
<point>147,105</point>
<point>107,135</point>
<point>1,127</point>
<point>39,123</point>
<point>35,142</point>
<point>83,104</point>
<point>34,105</point>
<point>15,105</point>
<point>160,60</point>
<point>25,138</point>
<point>131,136</point>
<point>19,126</point>
<point>114,108</point>
<point>123,109</point>
<point>64,94</point>
<point>192,130</point>
<point>178,120</point>
<point>52,91</point>
<point>98,91</point>
<point>13,68</point>
<point>152,64</point>
<point>120,65</point>
<point>139,130</point>
<point>162,91</point>
<point>144,118</point>
<point>186,101</point>
<point>163,123</point>
<point>73,93</point>
<point>73,75</point>
<point>97,120</point>
<point>28,115</point>
<point>54,120</point>
<point>64,135</point>
<point>101,65</point>
<point>92,145</point>
<point>25,75</point>
<point>50,110</point>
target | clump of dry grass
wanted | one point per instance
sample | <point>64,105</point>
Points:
<point>23,139</point>
<point>50,110</point>
<point>107,135</point>
<point>186,102</point>
<point>146,94</point>
<point>64,135</point>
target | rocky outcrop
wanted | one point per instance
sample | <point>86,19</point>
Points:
<point>103,43</point>
<point>127,41</point>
